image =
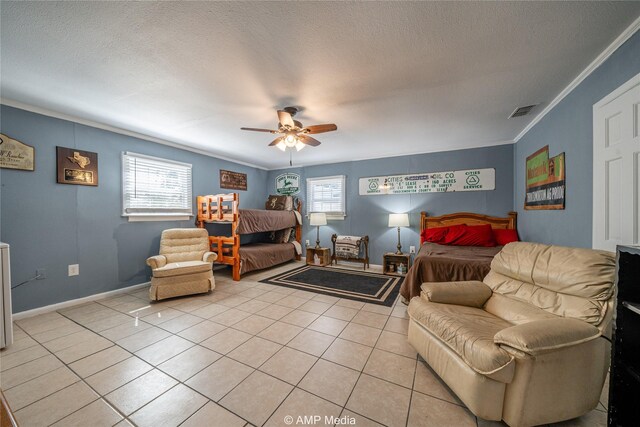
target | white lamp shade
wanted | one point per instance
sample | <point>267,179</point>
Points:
<point>318,218</point>
<point>399,220</point>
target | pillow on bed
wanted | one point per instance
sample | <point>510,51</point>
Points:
<point>433,235</point>
<point>471,235</point>
<point>504,236</point>
<point>282,236</point>
<point>454,233</point>
<point>276,203</point>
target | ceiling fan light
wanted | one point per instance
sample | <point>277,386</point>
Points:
<point>281,145</point>
<point>299,145</point>
<point>290,140</point>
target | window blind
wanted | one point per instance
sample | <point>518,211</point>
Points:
<point>327,194</point>
<point>155,187</point>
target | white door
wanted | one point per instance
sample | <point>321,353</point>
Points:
<point>616,162</point>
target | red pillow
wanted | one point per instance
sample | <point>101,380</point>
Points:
<point>433,235</point>
<point>474,235</point>
<point>454,233</point>
<point>504,236</point>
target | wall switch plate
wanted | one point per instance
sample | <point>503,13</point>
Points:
<point>412,249</point>
<point>74,269</point>
<point>306,242</point>
<point>41,273</point>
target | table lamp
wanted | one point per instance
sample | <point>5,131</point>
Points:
<point>318,219</point>
<point>399,220</point>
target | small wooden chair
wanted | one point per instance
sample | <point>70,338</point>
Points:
<point>364,260</point>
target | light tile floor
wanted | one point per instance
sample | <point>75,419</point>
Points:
<point>246,354</point>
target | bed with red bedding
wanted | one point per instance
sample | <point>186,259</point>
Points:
<point>443,263</point>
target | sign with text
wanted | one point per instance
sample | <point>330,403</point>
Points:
<point>288,184</point>
<point>233,180</point>
<point>430,182</point>
<point>16,155</point>
<point>545,181</point>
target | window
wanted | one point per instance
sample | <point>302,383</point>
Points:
<point>154,188</point>
<point>326,194</point>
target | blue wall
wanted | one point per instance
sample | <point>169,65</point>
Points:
<point>51,225</point>
<point>368,215</point>
<point>569,127</point>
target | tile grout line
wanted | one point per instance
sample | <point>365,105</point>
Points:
<point>80,380</point>
<point>113,308</point>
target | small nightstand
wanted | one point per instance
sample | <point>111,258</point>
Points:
<point>323,253</point>
<point>391,261</point>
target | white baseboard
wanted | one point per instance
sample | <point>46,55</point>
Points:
<point>65,304</point>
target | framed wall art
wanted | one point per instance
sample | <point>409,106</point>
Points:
<point>545,181</point>
<point>77,166</point>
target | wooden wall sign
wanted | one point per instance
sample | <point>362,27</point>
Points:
<point>545,181</point>
<point>233,180</point>
<point>16,155</point>
<point>76,166</point>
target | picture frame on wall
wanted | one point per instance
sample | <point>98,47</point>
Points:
<point>76,167</point>
<point>545,181</point>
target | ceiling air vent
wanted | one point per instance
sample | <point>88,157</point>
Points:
<point>522,111</point>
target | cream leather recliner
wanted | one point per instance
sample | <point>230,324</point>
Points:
<point>184,264</point>
<point>525,344</point>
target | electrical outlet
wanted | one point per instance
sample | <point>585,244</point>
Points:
<point>41,273</point>
<point>412,249</point>
<point>74,269</point>
<point>306,242</point>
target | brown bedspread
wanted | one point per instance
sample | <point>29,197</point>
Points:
<point>440,263</point>
<point>257,256</point>
<point>260,220</point>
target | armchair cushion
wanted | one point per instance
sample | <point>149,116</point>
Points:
<point>542,336</point>
<point>469,332</point>
<point>470,293</point>
<point>182,268</point>
<point>209,257</point>
<point>157,261</point>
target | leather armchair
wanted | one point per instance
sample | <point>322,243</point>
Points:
<point>184,264</point>
<point>524,345</point>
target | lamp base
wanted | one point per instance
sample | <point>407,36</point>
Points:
<point>399,251</point>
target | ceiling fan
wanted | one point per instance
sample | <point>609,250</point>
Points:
<point>294,135</point>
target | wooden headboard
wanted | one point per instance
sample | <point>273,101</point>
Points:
<point>468,218</point>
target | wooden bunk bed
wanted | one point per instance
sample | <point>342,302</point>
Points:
<point>224,209</point>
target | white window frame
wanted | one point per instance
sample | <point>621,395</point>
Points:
<point>330,215</point>
<point>172,214</point>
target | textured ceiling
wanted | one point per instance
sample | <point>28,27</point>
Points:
<point>397,78</point>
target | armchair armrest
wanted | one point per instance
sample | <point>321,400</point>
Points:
<point>209,257</point>
<point>470,293</point>
<point>543,336</point>
<point>156,261</point>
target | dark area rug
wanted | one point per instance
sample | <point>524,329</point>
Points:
<point>356,285</point>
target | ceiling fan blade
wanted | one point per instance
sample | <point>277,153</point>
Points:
<point>306,139</point>
<point>285,118</point>
<point>260,130</point>
<point>321,128</point>
<point>275,141</point>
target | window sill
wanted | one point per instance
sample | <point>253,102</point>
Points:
<point>148,218</point>
<point>333,217</point>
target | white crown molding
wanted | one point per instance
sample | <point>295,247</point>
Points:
<point>53,307</point>
<point>604,55</point>
<point>91,123</point>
